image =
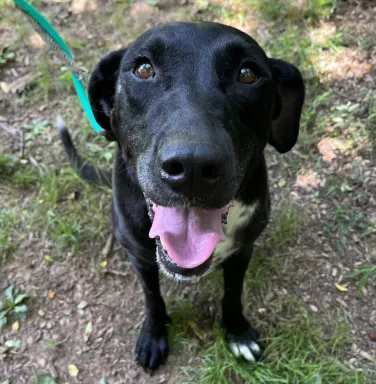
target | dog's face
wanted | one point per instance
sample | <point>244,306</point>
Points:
<point>192,107</point>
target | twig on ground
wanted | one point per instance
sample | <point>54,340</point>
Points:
<point>116,273</point>
<point>108,246</point>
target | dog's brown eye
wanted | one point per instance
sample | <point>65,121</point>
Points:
<point>247,76</point>
<point>144,71</point>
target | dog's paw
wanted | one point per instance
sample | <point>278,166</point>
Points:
<point>152,346</point>
<point>246,344</point>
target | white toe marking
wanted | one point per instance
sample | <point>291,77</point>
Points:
<point>247,354</point>
<point>254,347</point>
<point>235,349</point>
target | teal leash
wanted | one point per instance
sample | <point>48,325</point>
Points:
<point>50,35</point>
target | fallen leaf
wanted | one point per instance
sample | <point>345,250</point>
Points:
<point>15,326</point>
<point>307,180</point>
<point>49,259</point>
<point>88,331</point>
<point>73,370</point>
<point>103,264</point>
<point>261,310</point>
<point>4,86</point>
<point>199,332</point>
<point>366,355</point>
<point>13,344</point>
<point>282,183</point>
<point>51,294</point>
<point>341,288</point>
<point>327,147</point>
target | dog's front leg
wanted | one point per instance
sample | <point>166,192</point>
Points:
<point>242,338</point>
<point>152,347</point>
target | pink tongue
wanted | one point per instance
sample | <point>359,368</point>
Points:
<point>188,234</point>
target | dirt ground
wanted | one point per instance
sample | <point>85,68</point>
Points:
<point>332,185</point>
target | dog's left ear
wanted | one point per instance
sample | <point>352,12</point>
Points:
<point>287,105</point>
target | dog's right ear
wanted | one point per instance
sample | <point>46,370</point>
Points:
<point>101,89</point>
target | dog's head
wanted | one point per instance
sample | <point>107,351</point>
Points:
<point>192,106</point>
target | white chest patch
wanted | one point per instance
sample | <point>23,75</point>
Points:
<point>238,218</point>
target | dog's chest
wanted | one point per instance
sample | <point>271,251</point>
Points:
<point>239,219</point>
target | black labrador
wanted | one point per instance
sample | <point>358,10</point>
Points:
<point>191,107</point>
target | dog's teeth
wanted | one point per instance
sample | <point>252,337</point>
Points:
<point>163,246</point>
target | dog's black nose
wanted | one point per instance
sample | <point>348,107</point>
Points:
<point>192,167</point>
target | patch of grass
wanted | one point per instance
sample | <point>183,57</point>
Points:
<point>363,273</point>
<point>7,222</point>
<point>313,121</point>
<point>291,10</point>
<point>299,350</point>
<point>16,174</point>
<point>13,306</point>
<point>283,228</point>
<point>68,210</point>
<point>50,78</point>
<point>344,221</point>
<point>282,232</point>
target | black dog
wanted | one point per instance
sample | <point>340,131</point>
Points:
<point>192,107</point>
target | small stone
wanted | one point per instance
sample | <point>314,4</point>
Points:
<point>41,362</point>
<point>50,324</point>
<point>133,373</point>
<point>41,313</point>
<point>372,335</point>
<point>334,272</point>
<point>42,324</point>
<point>313,308</point>
<point>82,305</point>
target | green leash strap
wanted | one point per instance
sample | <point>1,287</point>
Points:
<point>50,35</point>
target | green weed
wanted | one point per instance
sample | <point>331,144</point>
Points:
<point>13,305</point>
<point>363,273</point>
<point>42,379</point>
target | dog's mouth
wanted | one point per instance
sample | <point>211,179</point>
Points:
<point>186,238</point>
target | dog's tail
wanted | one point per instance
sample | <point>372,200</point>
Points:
<point>85,170</point>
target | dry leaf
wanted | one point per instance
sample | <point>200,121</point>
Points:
<point>366,355</point>
<point>199,332</point>
<point>307,180</point>
<point>51,294</point>
<point>282,183</point>
<point>327,147</point>
<point>15,326</point>
<point>88,331</point>
<point>341,288</point>
<point>73,370</point>
<point>4,86</point>
<point>103,264</point>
